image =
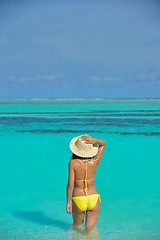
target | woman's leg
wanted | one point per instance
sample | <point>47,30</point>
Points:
<point>91,216</point>
<point>77,214</point>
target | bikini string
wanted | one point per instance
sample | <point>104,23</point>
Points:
<point>85,180</point>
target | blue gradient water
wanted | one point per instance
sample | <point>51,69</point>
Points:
<point>34,153</point>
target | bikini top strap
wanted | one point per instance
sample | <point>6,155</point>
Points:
<point>85,178</point>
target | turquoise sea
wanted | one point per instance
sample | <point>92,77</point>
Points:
<point>34,155</point>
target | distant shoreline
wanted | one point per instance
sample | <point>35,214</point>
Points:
<point>74,100</point>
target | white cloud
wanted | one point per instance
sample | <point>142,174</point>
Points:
<point>12,79</point>
<point>141,78</point>
<point>107,79</point>
<point>148,78</point>
<point>41,78</point>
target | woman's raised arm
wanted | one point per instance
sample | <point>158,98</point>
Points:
<point>96,141</point>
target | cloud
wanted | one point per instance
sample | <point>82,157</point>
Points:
<point>147,78</point>
<point>40,78</point>
<point>141,78</point>
<point>106,80</point>
<point>12,79</point>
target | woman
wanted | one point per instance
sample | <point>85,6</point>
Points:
<point>87,153</point>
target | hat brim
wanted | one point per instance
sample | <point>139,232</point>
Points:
<point>80,152</point>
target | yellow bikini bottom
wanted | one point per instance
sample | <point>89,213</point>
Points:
<point>86,202</point>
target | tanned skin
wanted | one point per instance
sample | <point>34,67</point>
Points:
<point>76,171</point>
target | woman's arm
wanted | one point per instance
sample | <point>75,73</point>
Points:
<point>95,141</point>
<point>70,186</point>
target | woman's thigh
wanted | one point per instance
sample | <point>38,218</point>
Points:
<point>92,215</point>
<point>77,214</point>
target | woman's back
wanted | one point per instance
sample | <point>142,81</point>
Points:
<point>84,171</point>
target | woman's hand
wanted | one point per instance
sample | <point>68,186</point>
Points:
<point>68,208</point>
<point>88,139</point>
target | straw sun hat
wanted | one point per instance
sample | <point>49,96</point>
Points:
<point>82,149</point>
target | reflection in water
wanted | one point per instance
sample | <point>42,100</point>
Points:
<point>79,233</point>
<point>40,218</point>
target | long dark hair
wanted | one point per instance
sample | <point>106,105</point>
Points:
<point>74,156</point>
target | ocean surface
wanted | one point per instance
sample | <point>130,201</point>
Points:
<point>34,155</point>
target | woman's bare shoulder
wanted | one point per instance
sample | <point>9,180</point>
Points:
<point>73,162</point>
<point>94,162</point>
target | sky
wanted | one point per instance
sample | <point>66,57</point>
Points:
<point>80,49</point>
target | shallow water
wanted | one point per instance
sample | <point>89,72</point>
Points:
<point>34,138</point>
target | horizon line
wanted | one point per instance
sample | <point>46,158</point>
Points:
<point>97,98</point>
